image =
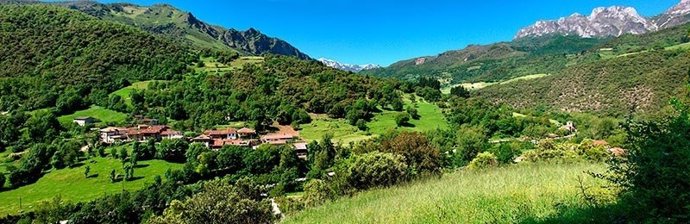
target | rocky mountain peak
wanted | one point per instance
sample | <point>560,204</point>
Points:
<point>347,67</point>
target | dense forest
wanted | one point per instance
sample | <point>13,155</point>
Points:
<point>53,56</point>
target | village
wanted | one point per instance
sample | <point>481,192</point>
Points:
<point>149,129</point>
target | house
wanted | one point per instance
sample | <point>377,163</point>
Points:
<point>569,126</point>
<point>246,133</point>
<point>112,135</point>
<point>220,143</point>
<point>229,133</point>
<point>171,134</point>
<point>139,133</point>
<point>301,150</point>
<point>277,139</point>
<point>203,139</point>
<point>144,133</point>
<point>83,121</point>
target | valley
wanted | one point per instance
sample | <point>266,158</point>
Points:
<point>128,113</point>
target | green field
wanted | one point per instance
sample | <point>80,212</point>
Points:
<point>481,85</point>
<point>102,114</point>
<point>513,194</point>
<point>431,119</point>
<point>125,92</point>
<point>72,186</point>
<point>212,65</point>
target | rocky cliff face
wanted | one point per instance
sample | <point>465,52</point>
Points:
<point>602,22</point>
<point>609,22</point>
<point>675,16</point>
<point>347,67</point>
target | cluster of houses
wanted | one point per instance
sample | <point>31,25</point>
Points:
<point>214,139</point>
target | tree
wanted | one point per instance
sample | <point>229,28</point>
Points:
<point>418,152</point>
<point>220,202</point>
<point>2,180</point>
<point>397,104</point>
<point>376,169</point>
<point>402,119</point>
<point>113,176</point>
<point>362,125</point>
<point>471,141</point>
<point>113,153</point>
<point>413,112</point>
<point>123,154</point>
<point>174,150</point>
<point>460,91</point>
<point>654,175</point>
<point>87,169</point>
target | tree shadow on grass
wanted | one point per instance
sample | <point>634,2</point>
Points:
<point>135,178</point>
<point>141,166</point>
<point>92,176</point>
<point>583,214</point>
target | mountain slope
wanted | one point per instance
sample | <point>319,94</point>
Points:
<point>47,50</point>
<point>170,21</point>
<point>636,73</point>
<point>495,62</point>
<point>347,67</point>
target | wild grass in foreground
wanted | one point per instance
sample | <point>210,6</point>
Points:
<point>513,194</point>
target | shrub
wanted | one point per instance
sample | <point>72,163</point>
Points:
<point>376,169</point>
<point>317,191</point>
<point>483,160</point>
<point>402,119</point>
<point>419,153</point>
<point>654,176</point>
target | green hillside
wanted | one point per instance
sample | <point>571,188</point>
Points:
<point>515,194</point>
<point>168,21</point>
<point>65,51</point>
<point>495,62</point>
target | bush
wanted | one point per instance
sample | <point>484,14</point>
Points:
<point>376,169</point>
<point>654,176</point>
<point>419,153</point>
<point>402,119</point>
<point>317,191</point>
<point>506,152</point>
<point>483,160</point>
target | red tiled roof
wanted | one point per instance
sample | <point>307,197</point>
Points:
<point>221,132</point>
<point>246,131</point>
<point>218,143</point>
<point>271,137</point>
<point>143,130</point>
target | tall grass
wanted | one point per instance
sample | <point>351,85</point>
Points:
<point>521,193</point>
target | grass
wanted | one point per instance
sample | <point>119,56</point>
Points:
<point>683,46</point>
<point>513,194</point>
<point>432,118</point>
<point>71,185</point>
<point>102,114</point>
<point>212,65</point>
<point>127,91</point>
<point>481,85</point>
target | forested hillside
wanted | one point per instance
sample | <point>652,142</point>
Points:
<point>628,74</point>
<point>495,62</point>
<point>166,20</point>
<point>52,56</point>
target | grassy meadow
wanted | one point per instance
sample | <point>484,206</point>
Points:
<point>526,193</point>
<point>431,119</point>
<point>71,185</point>
<point>100,113</point>
<point>125,92</point>
<point>481,85</point>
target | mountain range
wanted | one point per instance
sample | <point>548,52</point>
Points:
<point>611,21</point>
<point>169,21</point>
<point>347,67</point>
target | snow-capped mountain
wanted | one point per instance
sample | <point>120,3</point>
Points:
<point>347,67</point>
<point>609,22</point>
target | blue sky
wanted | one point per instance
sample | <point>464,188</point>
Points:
<point>386,31</point>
